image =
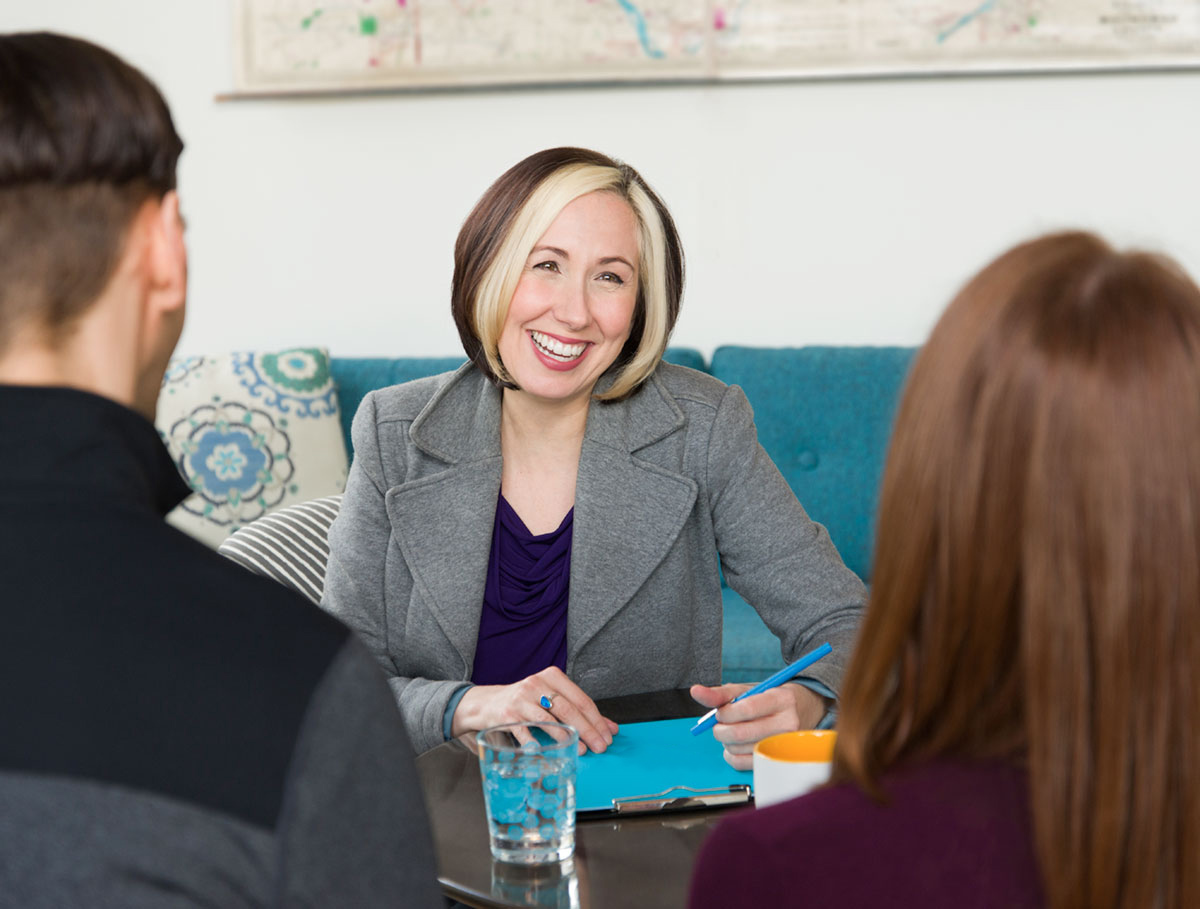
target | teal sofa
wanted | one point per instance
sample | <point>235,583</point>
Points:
<point>824,414</point>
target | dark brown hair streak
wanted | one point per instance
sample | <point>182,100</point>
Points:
<point>1036,588</point>
<point>490,221</point>
<point>85,140</point>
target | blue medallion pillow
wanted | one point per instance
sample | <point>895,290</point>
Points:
<point>251,432</point>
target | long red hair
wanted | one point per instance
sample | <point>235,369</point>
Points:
<point>1036,588</point>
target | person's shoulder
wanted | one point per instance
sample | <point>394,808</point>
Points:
<point>910,798</point>
<point>406,401</point>
<point>963,822</point>
<point>705,401</point>
<point>237,602</point>
<point>753,857</point>
<point>686,384</point>
<point>759,855</point>
<point>218,668</point>
<point>807,822</point>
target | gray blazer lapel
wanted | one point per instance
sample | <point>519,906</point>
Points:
<point>628,513</point>
<point>443,521</point>
<point>443,525</point>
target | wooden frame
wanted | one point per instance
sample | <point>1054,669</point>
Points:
<point>305,47</point>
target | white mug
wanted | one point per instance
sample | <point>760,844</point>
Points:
<point>791,764</point>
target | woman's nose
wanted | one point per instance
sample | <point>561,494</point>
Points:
<point>571,307</point>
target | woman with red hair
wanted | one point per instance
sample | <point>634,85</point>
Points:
<point>1020,723</point>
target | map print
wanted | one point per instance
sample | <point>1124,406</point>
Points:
<point>307,45</point>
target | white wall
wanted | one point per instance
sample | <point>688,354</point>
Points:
<point>810,212</point>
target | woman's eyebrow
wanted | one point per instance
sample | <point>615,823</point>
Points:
<point>610,259</point>
<point>551,249</point>
<point>562,253</point>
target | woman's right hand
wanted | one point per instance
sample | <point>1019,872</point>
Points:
<point>493,705</point>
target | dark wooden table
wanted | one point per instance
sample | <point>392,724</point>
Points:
<point>638,861</point>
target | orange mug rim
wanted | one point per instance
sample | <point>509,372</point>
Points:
<point>803,746</point>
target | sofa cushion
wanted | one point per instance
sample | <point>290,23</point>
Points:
<point>686,356</point>
<point>290,545</point>
<point>824,415</point>
<point>250,432</point>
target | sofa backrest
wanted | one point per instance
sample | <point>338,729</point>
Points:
<point>824,415</point>
<point>355,376</point>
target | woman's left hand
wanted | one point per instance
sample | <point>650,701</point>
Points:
<point>740,726</point>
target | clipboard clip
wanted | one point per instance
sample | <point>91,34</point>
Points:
<point>669,800</point>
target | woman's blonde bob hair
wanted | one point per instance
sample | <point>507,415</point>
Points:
<point>509,219</point>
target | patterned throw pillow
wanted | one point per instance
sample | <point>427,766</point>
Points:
<point>251,432</point>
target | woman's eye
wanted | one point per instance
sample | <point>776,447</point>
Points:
<point>609,276</point>
<point>547,266</point>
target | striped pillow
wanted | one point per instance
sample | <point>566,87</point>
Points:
<point>290,545</point>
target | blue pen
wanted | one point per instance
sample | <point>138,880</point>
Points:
<point>709,719</point>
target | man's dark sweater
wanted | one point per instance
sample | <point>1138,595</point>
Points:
<point>173,730</point>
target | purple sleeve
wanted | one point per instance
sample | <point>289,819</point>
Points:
<point>738,867</point>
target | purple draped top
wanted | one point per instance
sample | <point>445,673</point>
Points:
<point>523,628</point>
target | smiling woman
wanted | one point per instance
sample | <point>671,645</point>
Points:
<point>547,525</point>
<point>514,229</point>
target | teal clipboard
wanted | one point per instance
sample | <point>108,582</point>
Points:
<point>658,766</point>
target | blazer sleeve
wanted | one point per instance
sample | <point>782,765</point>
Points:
<point>357,587</point>
<point>782,562</point>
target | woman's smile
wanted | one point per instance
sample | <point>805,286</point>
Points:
<point>561,354</point>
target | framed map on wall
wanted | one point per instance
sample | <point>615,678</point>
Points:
<point>338,45</point>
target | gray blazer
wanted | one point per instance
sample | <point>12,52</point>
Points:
<point>672,486</point>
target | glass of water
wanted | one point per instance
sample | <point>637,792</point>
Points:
<point>528,772</point>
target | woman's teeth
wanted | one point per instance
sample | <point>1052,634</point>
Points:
<point>552,347</point>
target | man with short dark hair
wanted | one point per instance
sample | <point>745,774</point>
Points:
<point>173,730</point>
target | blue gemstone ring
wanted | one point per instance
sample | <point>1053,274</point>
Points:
<point>547,701</point>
